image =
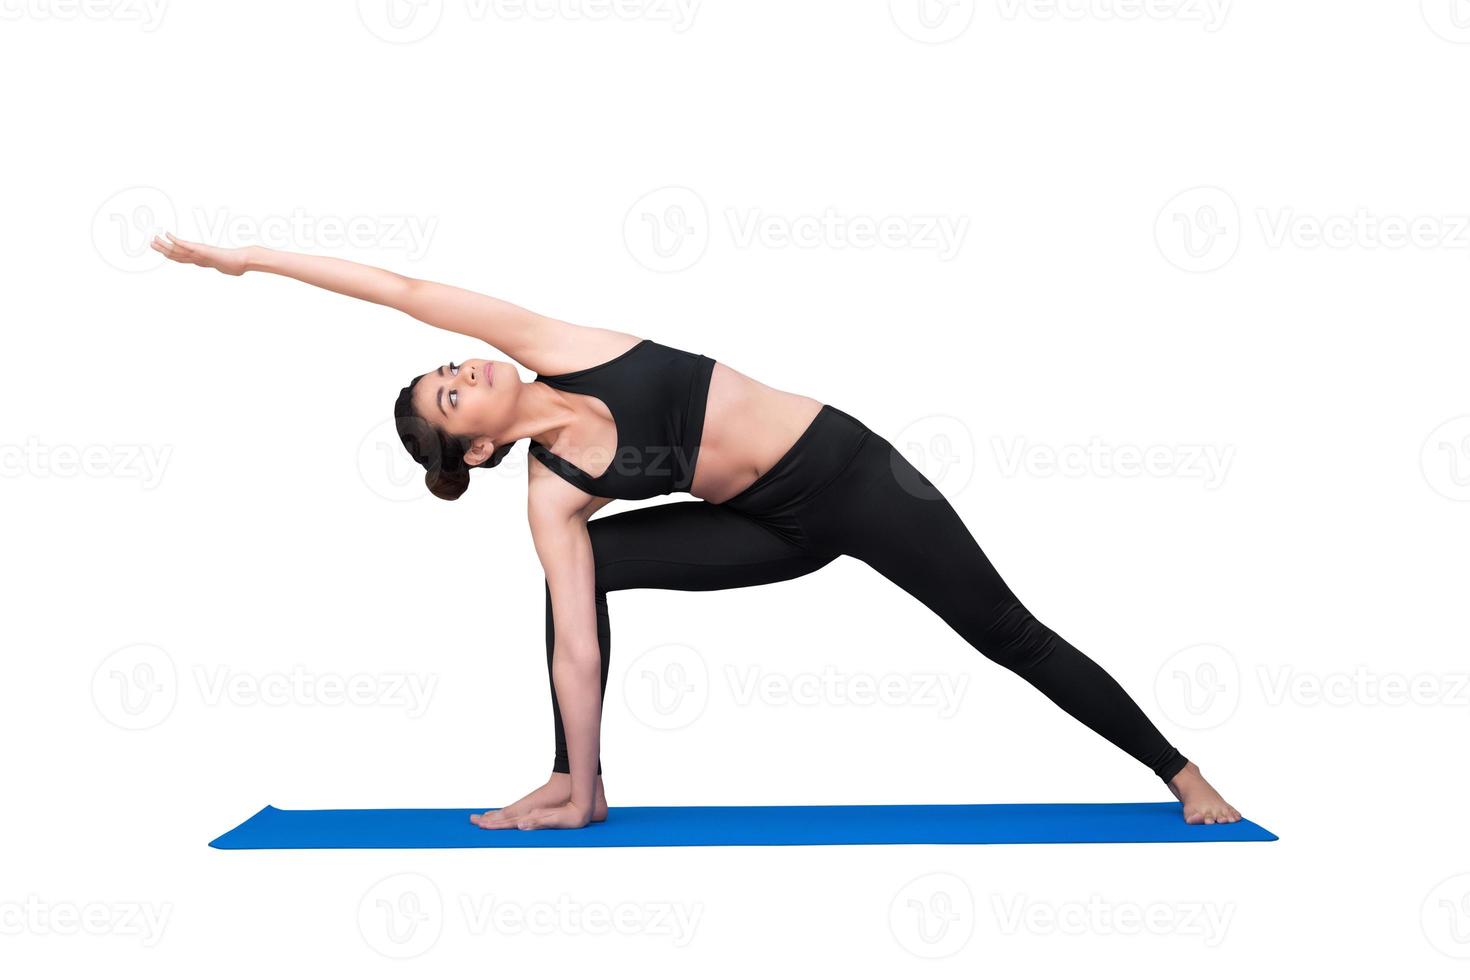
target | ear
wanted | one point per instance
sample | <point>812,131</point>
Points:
<point>480,450</point>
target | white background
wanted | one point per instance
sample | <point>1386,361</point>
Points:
<point>1198,230</point>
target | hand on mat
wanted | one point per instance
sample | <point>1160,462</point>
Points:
<point>563,816</point>
<point>230,261</point>
<point>556,791</point>
<point>568,816</point>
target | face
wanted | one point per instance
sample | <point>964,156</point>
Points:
<point>475,399</point>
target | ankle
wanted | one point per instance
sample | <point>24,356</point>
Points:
<point>1190,773</point>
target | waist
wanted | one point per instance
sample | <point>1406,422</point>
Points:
<point>815,459</point>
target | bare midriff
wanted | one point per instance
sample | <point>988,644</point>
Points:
<point>748,426</point>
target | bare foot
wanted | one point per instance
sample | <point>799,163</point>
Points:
<point>1202,803</point>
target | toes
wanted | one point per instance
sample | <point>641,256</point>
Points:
<point>1212,814</point>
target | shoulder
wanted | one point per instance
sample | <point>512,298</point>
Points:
<point>578,348</point>
<point>551,501</point>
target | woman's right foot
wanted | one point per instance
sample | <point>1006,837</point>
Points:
<point>1202,802</point>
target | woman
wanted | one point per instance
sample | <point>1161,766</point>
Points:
<point>785,485</point>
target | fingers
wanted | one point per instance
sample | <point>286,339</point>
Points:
<point>177,249</point>
<point>543,800</point>
<point>537,818</point>
<point>506,820</point>
<point>494,819</point>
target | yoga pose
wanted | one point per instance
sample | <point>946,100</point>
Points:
<point>784,484</point>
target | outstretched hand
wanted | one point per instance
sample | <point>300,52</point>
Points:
<point>230,261</point>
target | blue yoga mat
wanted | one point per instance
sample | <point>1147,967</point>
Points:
<point>715,826</point>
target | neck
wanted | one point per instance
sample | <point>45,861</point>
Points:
<point>543,412</point>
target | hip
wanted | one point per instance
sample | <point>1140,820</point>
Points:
<point>818,457</point>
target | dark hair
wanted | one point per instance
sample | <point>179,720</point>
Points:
<point>439,453</point>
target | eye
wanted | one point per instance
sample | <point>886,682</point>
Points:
<point>453,368</point>
<point>454,399</point>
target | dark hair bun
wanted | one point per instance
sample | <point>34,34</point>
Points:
<point>446,485</point>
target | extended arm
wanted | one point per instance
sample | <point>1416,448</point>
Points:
<point>516,331</point>
<point>541,343</point>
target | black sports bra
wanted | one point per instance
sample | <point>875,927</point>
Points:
<point>656,395</point>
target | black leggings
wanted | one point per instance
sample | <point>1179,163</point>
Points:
<point>842,489</point>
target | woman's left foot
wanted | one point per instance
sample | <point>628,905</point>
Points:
<point>1202,803</point>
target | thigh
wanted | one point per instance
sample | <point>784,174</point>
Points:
<point>886,513</point>
<point>693,546</point>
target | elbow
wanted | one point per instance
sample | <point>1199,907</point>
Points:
<point>402,293</point>
<point>577,657</point>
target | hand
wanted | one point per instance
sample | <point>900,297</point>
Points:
<point>568,816</point>
<point>556,792</point>
<point>230,261</point>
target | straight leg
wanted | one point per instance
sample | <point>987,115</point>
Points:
<point>886,513</point>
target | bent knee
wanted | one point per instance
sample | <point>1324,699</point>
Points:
<point>1014,638</point>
